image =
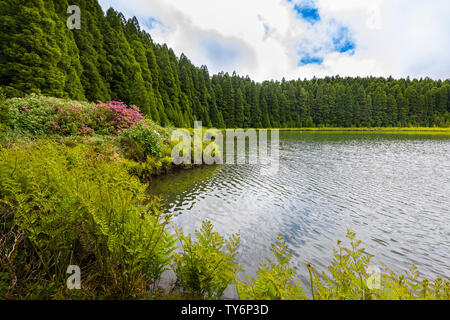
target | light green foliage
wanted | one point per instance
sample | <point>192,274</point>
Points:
<point>65,206</point>
<point>146,138</point>
<point>409,287</point>
<point>348,278</point>
<point>275,280</point>
<point>38,115</point>
<point>206,267</point>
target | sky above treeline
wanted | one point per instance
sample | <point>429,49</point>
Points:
<point>272,39</point>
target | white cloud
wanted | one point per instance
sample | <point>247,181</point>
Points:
<point>263,38</point>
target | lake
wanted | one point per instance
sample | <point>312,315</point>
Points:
<point>393,190</point>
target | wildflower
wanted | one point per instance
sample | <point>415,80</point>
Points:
<point>26,109</point>
<point>55,125</point>
<point>118,115</point>
<point>87,131</point>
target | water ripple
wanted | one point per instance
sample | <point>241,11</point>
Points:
<point>392,190</point>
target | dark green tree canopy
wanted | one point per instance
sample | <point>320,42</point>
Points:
<point>111,57</point>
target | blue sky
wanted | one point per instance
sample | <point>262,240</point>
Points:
<point>307,11</point>
<point>272,39</point>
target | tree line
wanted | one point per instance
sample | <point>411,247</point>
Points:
<point>112,58</point>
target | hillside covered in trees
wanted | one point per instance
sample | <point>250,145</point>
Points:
<point>111,58</point>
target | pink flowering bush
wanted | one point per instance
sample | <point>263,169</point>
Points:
<point>39,115</point>
<point>114,116</point>
<point>87,131</point>
<point>71,120</point>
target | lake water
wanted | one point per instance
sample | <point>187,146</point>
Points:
<point>393,190</point>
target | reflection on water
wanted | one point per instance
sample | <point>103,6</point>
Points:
<point>392,190</point>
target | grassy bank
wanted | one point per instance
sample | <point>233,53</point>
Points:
<point>387,130</point>
<point>73,191</point>
<point>399,130</point>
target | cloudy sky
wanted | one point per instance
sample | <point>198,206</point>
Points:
<point>272,39</point>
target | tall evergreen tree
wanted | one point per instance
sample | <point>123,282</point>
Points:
<point>29,52</point>
<point>93,58</point>
<point>112,58</point>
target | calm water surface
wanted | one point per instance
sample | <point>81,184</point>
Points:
<point>393,190</point>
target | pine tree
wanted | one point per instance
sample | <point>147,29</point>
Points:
<point>112,58</point>
<point>444,103</point>
<point>239,109</point>
<point>70,59</point>
<point>228,102</point>
<point>392,111</point>
<point>255,111</point>
<point>93,58</point>
<point>29,52</point>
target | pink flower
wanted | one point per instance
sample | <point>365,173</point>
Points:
<point>86,130</point>
<point>26,109</point>
<point>54,125</point>
<point>118,115</point>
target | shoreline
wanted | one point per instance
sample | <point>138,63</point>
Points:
<point>387,130</point>
<point>368,129</point>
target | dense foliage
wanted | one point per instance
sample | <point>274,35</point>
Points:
<point>38,115</point>
<point>275,279</point>
<point>146,137</point>
<point>111,58</point>
<point>206,267</point>
<point>62,206</point>
<point>349,278</point>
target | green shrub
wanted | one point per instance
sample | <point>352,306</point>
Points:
<point>203,268</point>
<point>4,113</point>
<point>348,274</point>
<point>63,206</point>
<point>4,116</point>
<point>275,279</point>
<point>166,162</point>
<point>146,139</point>
<point>2,94</point>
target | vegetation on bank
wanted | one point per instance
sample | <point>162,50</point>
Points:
<point>376,129</point>
<point>73,191</point>
<point>121,131</point>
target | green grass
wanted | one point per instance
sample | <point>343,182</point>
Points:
<point>375,129</point>
<point>387,130</point>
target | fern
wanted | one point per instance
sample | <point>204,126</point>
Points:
<point>77,209</point>
<point>206,267</point>
<point>275,279</point>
